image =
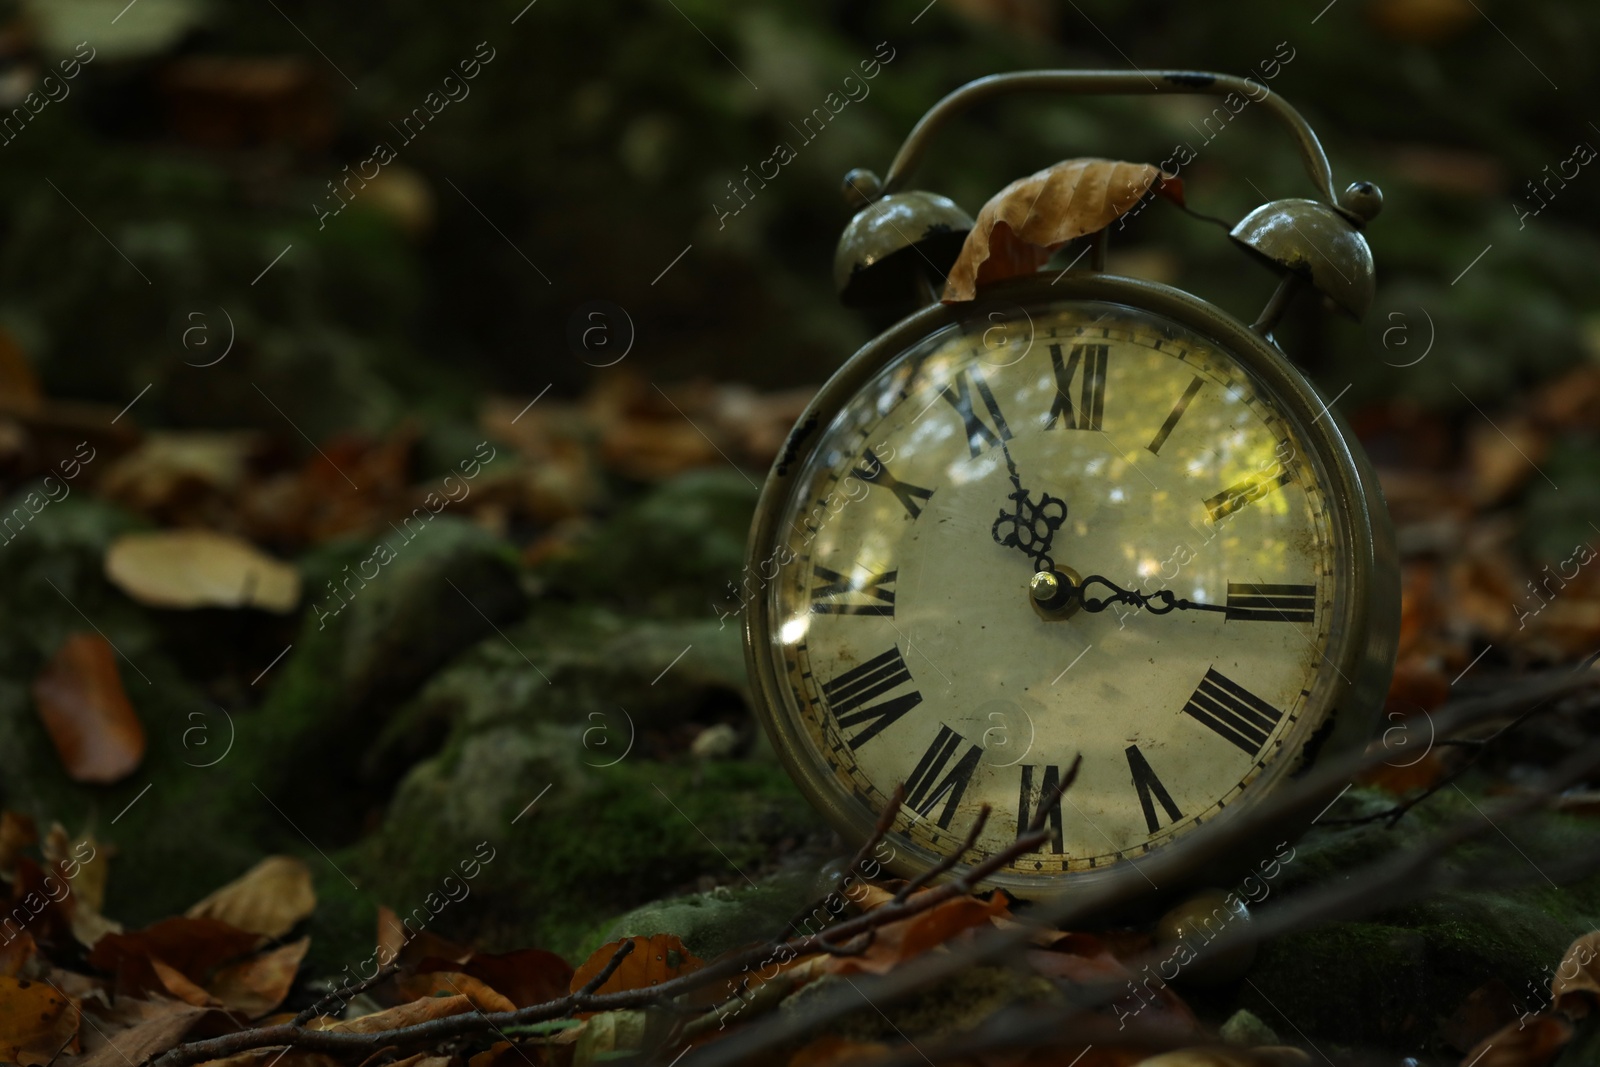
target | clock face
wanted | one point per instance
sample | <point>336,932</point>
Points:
<point>899,624</point>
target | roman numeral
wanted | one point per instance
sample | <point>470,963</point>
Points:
<point>1150,790</point>
<point>1030,797</point>
<point>1091,359</point>
<point>833,584</point>
<point>1233,712</point>
<point>1239,494</point>
<point>1174,415</point>
<point>868,681</point>
<point>1271,603</point>
<point>979,435</point>
<point>873,472</point>
<point>925,788</point>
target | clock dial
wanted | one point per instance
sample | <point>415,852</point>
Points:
<point>903,636</point>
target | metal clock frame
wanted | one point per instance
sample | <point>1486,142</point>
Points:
<point>1365,656</point>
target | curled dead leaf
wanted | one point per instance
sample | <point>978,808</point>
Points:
<point>1224,1056</point>
<point>269,899</point>
<point>653,960</point>
<point>418,1011</point>
<point>445,983</point>
<point>1021,225</point>
<point>900,941</point>
<point>200,569</point>
<point>1575,987</point>
<point>258,985</point>
<point>17,832</point>
<point>525,977</point>
<point>1524,1043</point>
<point>190,947</point>
<point>86,711</point>
<point>36,1022</point>
<point>831,1050</point>
<point>15,954</point>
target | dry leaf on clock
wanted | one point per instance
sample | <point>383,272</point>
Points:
<point>1523,1043</point>
<point>268,899</point>
<point>86,711</point>
<point>200,569</point>
<point>1018,229</point>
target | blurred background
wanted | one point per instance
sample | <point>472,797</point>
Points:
<point>281,267</point>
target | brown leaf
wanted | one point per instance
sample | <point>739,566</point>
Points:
<point>15,954</point>
<point>422,1059</point>
<point>395,940</point>
<point>1020,226</point>
<point>1520,1044</point>
<point>831,1049</point>
<point>418,1011</point>
<point>527,977</point>
<point>1224,1056</point>
<point>200,569</point>
<point>36,1022</point>
<point>149,1028</point>
<point>268,899</point>
<point>17,832</point>
<point>276,1056</point>
<point>86,711</point>
<point>1483,1011</point>
<point>176,983</point>
<point>436,983</point>
<point>653,960</point>
<point>193,947</point>
<point>1575,987</point>
<point>258,985</point>
<point>901,940</point>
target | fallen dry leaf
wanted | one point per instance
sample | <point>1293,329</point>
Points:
<point>177,984</point>
<point>1021,225</point>
<point>653,960</point>
<point>1224,1056</point>
<point>86,711</point>
<point>192,947</point>
<point>396,941</point>
<point>1575,987</point>
<point>526,977</point>
<point>418,1011</point>
<point>900,941</point>
<point>17,832</point>
<point>269,899</point>
<point>147,1028</point>
<point>15,954</point>
<point>258,985</point>
<point>422,1059</point>
<point>436,983</point>
<point>200,569</point>
<point>831,1050</point>
<point>36,1022</point>
<point>1519,1044</point>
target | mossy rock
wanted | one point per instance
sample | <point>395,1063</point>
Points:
<point>1392,979</point>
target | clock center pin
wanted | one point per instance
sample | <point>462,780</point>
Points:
<point>1053,593</point>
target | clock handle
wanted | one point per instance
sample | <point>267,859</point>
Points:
<point>1105,83</point>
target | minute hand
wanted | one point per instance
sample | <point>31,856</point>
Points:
<point>1158,603</point>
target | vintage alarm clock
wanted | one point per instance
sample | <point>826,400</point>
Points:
<point>1081,515</point>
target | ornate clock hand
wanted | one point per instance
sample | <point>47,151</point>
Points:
<point>1158,603</point>
<point>1058,595</point>
<point>1032,527</point>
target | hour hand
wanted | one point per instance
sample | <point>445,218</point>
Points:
<point>1158,603</point>
<point>1031,526</point>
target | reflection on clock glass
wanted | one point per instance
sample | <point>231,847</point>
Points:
<point>1101,441</point>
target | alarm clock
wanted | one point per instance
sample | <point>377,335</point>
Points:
<point>1081,516</point>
